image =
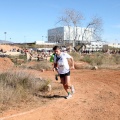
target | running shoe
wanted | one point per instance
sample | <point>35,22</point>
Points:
<point>69,96</point>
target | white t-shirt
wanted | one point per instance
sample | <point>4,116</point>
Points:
<point>62,63</point>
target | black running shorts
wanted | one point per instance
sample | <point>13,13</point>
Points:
<point>66,74</point>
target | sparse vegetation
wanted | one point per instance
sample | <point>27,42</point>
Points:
<point>116,59</point>
<point>99,59</point>
<point>21,86</point>
<point>75,55</point>
<point>95,59</point>
<point>41,65</point>
<point>18,86</point>
<point>18,60</point>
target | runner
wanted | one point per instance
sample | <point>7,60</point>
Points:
<point>62,67</point>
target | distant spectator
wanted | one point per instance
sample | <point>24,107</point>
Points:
<point>38,57</point>
<point>1,50</point>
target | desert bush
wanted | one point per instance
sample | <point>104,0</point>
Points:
<point>41,65</point>
<point>17,60</point>
<point>87,59</point>
<point>75,55</point>
<point>101,59</point>
<point>97,59</point>
<point>16,86</point>
<point>116,58</point>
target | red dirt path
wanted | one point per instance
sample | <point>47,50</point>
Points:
<point>97,97</point>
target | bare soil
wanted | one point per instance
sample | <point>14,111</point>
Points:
<point>5,64</point>
<point>97,97</point>
<point>8,47</point>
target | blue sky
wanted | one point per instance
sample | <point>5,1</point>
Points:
<point>29,20</point>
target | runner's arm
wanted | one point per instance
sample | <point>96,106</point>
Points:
<point>72,60</point>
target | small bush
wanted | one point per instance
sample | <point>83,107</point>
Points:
<point>87,59</point>
<point>17,60</point>
<point>76,56</point>
<point>98,59</point>
<point>116,58</point>
<point>101,59</point>
<point>42,65</point>
<point>16,86</point>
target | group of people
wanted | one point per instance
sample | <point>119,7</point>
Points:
<point>61,66</point>
<point>33,55</point>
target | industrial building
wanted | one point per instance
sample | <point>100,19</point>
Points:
<point>68,34</point>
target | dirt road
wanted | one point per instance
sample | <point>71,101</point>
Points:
<point>97,97</point>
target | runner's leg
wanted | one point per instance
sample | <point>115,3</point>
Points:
<point>64,85</point>
<point>68,83</point>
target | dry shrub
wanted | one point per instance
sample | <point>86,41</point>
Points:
<point>18,60</point>
<point>42,65</point>
<point>101,59</point>
<point>75,55</point>
<point>17,86</point>
<point>116,58</point>
<point>86,58</point>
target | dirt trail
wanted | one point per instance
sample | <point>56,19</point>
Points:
<point>97,97</point>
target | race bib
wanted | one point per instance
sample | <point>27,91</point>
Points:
<point>61,65</point>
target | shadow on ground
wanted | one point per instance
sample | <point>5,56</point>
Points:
<point>50,96</point>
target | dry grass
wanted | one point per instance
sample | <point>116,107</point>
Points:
<point>103,61</point>
<point>39,65</point>
<point>19,86</point>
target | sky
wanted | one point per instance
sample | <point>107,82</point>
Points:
<point>29,20</point>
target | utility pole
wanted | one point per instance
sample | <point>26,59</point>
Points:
<point>25,42</point>
<point>5,35</point>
